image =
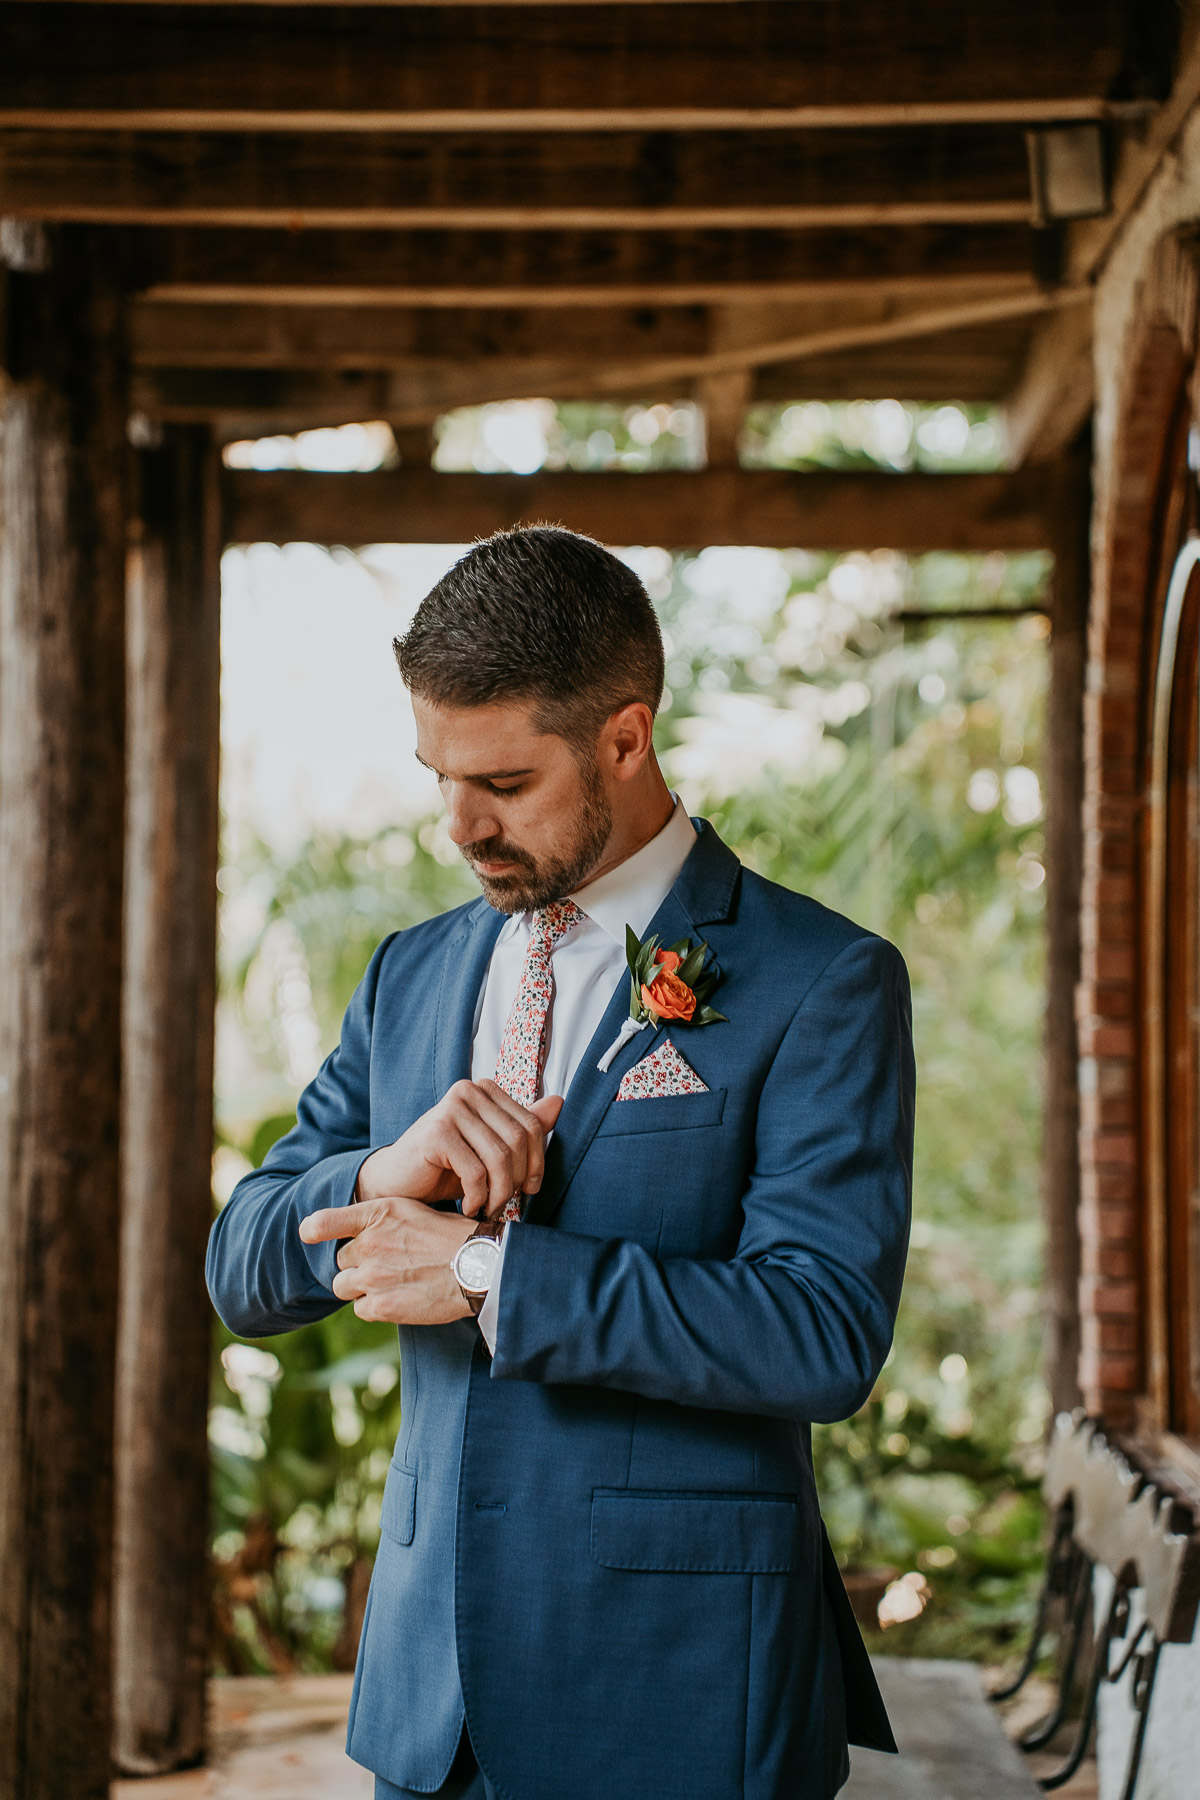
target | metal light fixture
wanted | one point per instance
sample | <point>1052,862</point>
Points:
<point>1068,172</point>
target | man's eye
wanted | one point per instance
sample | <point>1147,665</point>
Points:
<point>514,789</point>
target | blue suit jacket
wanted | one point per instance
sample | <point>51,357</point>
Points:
<point>605,1543</point>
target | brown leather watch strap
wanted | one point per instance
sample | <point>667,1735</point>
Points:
<point>493,1228</point>
<point>486,1228</point>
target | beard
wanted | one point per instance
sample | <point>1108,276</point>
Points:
<point>533,883</point>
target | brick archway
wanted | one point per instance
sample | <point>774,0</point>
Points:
<point>1132,558</point>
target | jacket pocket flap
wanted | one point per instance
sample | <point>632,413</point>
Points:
<point>673,1112</point>
<point>716,1534</point>
<point>399,1516</point>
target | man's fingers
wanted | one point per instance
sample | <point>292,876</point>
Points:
<point>517,1129</point>
<point>502,1162</point>
<point>534,1122</point>
<point>500,1135</point>
<point>334,1222</point>
<point>455,1153</point>
<point>348,1284</point>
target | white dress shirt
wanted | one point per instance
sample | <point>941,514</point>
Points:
<point>587,964</point>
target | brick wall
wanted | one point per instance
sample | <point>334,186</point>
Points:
<point>1122,626</point>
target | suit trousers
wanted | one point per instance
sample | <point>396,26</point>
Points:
<point>466,1781</point>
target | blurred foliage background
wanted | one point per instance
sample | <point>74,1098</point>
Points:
<point>886,764</point>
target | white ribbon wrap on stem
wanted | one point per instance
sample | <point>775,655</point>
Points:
<point>629,1029</point>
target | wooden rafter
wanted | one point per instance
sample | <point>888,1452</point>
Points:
<point>184,334</point>
<point>191,335</point>
<point>973,366</point>
<point>402,368</point>
<point>1050,402</point>
<point>567,268</point>
<point>974,363</point>
<point>715,506</point>
<point>612,180</point>
<point>912,321</point>
<point>249,402</point>
<point>746,63</point>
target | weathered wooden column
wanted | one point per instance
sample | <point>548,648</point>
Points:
<point>723,395</point>
<point>1071,506</point>
<point>62,788</point>
<point>161,1594</point>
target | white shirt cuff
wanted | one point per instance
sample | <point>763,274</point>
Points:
<point>489,1312</point>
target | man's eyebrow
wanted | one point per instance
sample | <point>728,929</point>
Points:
<point>484,775</point>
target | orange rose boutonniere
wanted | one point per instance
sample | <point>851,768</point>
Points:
<point>670,984</point>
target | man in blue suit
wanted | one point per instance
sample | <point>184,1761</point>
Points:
<point>636,1234</point>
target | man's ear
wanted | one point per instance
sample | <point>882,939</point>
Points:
<point>627,740</point>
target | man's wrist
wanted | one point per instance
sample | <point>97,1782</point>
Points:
<point>376,1180</point>
<point>476,1260</point>
<point>364,1187</point>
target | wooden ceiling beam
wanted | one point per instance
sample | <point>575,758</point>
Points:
<point>314,367</point>
<point>374,337</point>
<point>979,363</point>
<point>748,63</point>
<point>614,181</point>
<point>909,320</point>
<point>566,268</point>
<point>255,402</point>
<point>167,334</point>
<point>679,511</point>
<point>1051,399</point>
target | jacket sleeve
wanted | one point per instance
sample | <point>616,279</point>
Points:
<point>261,1277</point>
<point>798,1323</point>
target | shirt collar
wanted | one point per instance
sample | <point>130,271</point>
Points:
<point>632,893</point>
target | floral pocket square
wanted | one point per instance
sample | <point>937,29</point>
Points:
<point>660,1076</point>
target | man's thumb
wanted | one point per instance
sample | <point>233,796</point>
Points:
<point>546,1110</point>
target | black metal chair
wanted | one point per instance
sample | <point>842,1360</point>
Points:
<point>1109,1513</point>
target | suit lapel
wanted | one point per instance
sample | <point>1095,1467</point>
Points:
<point>702,894</point>
<point>463,969</point>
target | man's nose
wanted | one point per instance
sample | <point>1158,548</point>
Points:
<point>468,817</point>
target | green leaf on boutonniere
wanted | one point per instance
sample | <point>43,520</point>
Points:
<point>692,964</point>
<point>641,959</point>
<point>708,1015</point>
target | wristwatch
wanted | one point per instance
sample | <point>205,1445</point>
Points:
<point>474,1263</point>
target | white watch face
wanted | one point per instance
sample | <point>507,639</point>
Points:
<point>475,1264</point>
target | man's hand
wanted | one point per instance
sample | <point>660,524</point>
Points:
<point>477,1142</point>
<point>396,1265</point>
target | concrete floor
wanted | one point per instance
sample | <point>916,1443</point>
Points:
<point>282,1740</point>
<point>272,1739</point>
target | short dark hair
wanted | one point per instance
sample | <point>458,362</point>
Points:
<point>538,614</point>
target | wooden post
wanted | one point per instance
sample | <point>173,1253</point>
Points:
<point>723,398</point>
<point>1064,859</point>
<point>414,445</point>
<point>161,1578</point>
<point>62,784</point>
<point>724,394</point>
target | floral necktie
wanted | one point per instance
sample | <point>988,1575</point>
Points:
<point>523,1045</point>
